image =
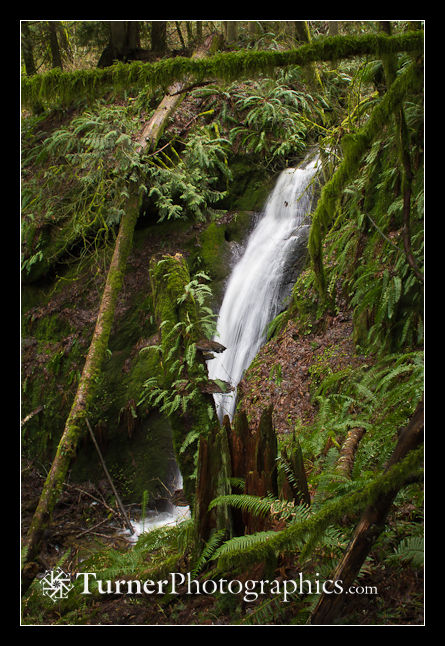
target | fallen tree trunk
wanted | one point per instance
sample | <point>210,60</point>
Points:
<point>368,529</point>
<point>345,462</point>
<point>75,423</point>
<point>152,132</point>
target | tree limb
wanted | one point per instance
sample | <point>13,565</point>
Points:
<point>368,529</point>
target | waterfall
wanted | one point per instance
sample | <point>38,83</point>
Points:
<point>254,291</point>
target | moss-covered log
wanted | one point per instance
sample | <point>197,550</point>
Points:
<point>57,86</point>
<point>354,148</point>
<point>180,327</point>
<point>75,423</point>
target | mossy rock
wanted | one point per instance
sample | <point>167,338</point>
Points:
<point>251,188</point>
<point>239,226</point>
<point>214,251</point>
<point>138,460</point>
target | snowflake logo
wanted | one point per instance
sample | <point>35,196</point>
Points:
<point>56,584</point>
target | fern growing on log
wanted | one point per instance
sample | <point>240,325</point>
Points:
<point>188,184</point>
<point>182,377</point>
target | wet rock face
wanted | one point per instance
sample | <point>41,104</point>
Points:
<point>294,264</point>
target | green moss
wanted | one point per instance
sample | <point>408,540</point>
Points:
<point>251,188</point>
<point>180,326</point>
<point>213,251</point>
<point>138,461</point>
<point>63,87</point>
<point>354,148</point>
<point>239,226</point>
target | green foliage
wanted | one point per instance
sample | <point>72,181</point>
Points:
<point>410,549</point>
<point>77,178</point>
<point>277,324</point>
<point>263,507</point>
<point>76,181</point>
<point>305,534</point>
<point>272,127</point>
<point>355,146</point>
<point>269,118</point>
<point>365,253</point>
<point>182,375</point>
<point>188,184</point>
<point>208,550</point>
<point>378,398</point>
<point>163,547</point>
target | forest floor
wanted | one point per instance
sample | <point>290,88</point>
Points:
<point>285,370</point>
<point>83,524</point>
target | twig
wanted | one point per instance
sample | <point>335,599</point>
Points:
<point>90,529</point>
<point>87,493</point>
<point>28,417</point>
<point>165,487</point>
<point>382,234</point>
<point>104,466</point>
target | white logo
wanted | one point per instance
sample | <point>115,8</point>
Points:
<point>56,584</point>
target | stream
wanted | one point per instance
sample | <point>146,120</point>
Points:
<point>256,292</point>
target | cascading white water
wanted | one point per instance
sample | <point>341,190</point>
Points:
<point>170,515</point>
<point>252,297</point>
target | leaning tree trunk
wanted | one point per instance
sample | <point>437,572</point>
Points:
<point>75,423</point>
<point>152,132</point>
<point>370,526</point>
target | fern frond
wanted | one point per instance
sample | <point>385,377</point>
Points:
<point>254,505</point>
<point>238,544</point>
<point>409,549</point>
<point>209,548</point>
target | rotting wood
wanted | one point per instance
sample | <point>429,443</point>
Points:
<point>345,461</point>
<point>214,472</point>
<point>295,481</point>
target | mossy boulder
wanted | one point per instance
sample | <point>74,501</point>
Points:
<point>58,319</point>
